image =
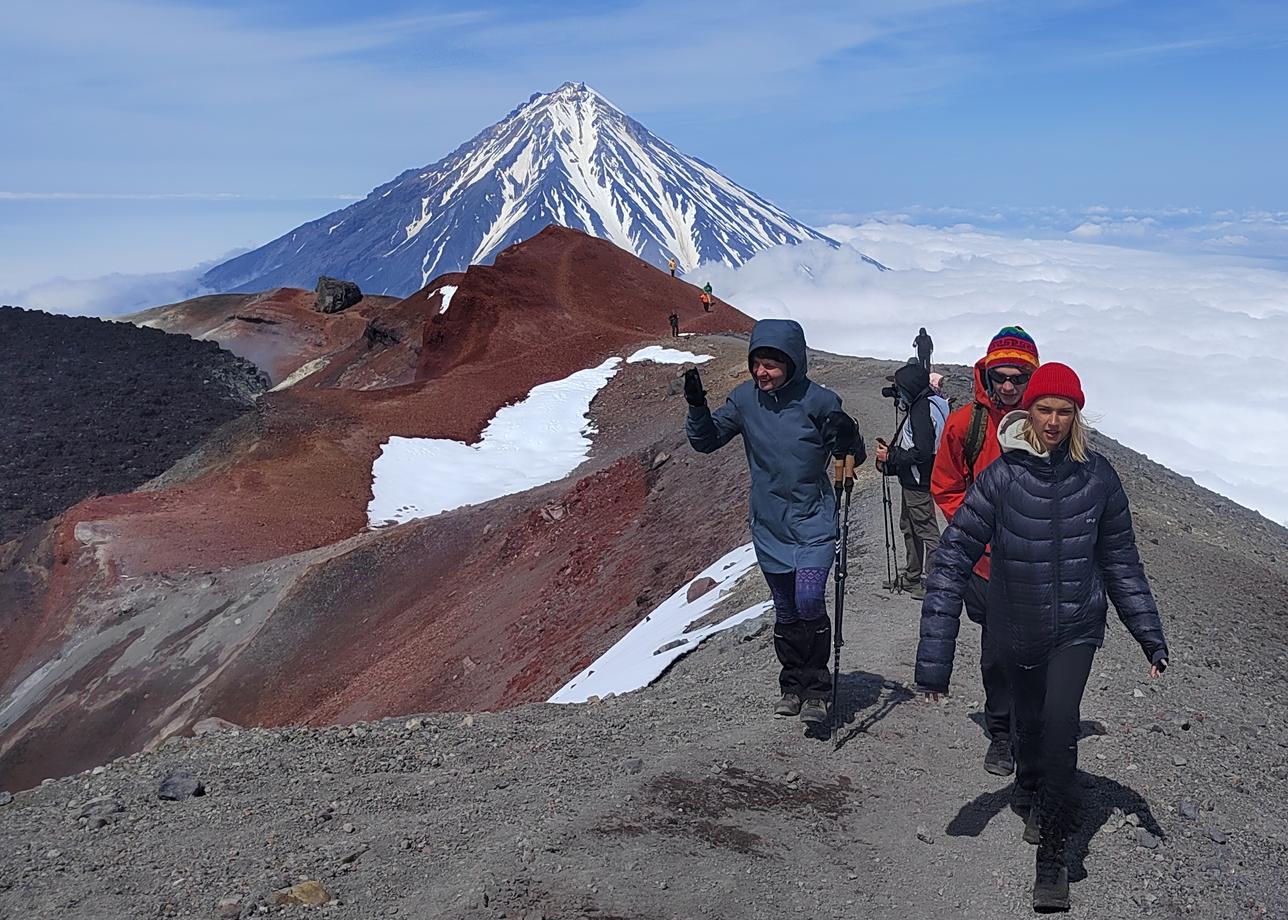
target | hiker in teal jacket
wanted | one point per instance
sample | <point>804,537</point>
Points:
<point>790,427</point>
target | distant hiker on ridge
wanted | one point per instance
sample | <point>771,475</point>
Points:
<point>705,300</point>
<point>674,319</point>
<point>969,445</point>
<point>790,427</point>
<point>1055,518</point>
<point>911,457</point>
<point>671,264</point>
<point>924,345</point>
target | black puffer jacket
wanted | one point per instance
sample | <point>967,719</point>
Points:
<point>1061,538</point>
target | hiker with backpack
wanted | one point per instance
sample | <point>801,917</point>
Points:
<point>1055,518</point>
<point>674,320</point>
<point>911,457</point>
<point>790,428</point>
<point>924,345</point>
<point>969,445</point>
<point>704,298</point>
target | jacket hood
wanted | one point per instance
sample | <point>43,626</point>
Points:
<point>1010,434</point>
<point>912,379</point>
<point>785,335</point>
<point>981,393</point>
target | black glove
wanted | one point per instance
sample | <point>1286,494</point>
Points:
<point>843,433</point>
<point>693,392</point>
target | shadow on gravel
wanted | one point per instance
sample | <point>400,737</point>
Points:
<point>1100,796</point>
<point>857,691</point>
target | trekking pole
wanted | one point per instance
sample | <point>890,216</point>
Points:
<point>891,547</point>
<point>843,481</point>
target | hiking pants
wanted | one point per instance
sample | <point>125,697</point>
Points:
<point>802,631</point>
<point>924,361</point>
<point>920,530</point>
<point>1047,703</point>
<point>992,661</point>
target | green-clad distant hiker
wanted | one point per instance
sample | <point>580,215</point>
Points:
<point>671,264</point>
<point>707,288</point>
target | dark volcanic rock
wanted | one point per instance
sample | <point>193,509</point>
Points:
<point>95,407</point>
<point>178,786</point>
<point>335,295</point>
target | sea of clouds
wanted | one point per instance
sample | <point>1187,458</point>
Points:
<point>1182,356</point>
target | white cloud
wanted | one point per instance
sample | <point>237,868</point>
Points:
<point>1256,234</point>
<point>1184,359</point>
<point>111,295</point>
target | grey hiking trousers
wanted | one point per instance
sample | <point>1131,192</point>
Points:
<point>920,530</point>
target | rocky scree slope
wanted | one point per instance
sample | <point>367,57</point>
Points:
<point>687,799</point>
<point>236,583</point>
<point>93,407</point>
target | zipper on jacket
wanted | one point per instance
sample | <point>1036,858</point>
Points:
<point>1055,525</point>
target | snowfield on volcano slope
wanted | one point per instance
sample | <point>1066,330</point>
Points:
<point>540,439</point>
<point>640,656</point>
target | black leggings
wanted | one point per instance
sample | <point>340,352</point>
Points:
<point>1047,699</point>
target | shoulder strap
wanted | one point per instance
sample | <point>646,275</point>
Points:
<point>975,438</point>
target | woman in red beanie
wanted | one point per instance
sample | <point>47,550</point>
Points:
<point>1062,547</point>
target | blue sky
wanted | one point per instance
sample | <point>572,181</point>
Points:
<point>147,136</point>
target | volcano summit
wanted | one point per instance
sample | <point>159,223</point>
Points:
<point>568,157</point>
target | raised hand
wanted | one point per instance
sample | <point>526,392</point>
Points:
<point>693,392</point>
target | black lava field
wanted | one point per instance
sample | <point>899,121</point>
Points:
<point>95,407</point>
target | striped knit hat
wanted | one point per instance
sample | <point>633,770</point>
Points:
<point>1012,346</point>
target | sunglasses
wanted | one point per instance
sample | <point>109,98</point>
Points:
<point>1000,378</point>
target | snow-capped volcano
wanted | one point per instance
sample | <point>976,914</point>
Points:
<point>568,157</point>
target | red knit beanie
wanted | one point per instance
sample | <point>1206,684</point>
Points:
<point>1054,379</point>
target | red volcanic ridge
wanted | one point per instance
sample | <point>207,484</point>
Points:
<point>245,583</point>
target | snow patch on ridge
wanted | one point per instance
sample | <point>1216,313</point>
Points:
<point>660,355</point>
<point>304,370</point>
<point>640,656</point>
<point>540,439</point>
<point>446,291</point>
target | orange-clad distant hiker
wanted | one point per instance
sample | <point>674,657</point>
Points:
<point>706,301</point>
<point>671,264</point>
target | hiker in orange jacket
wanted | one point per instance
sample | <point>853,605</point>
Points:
<point>969,445</point>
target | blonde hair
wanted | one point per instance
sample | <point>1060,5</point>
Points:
<point>1079,437</point>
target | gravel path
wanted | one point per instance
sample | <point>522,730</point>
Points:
<point>688,799</point>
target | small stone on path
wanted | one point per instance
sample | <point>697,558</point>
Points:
<point>306,894</point>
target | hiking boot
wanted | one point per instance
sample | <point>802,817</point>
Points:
<point>918,591</point>
<point>1051,881</point>
<point>901,582</point>
<point>814,711</point>
<point>1033,827</point>
<point>789,705</point>
<point>998,760</point>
